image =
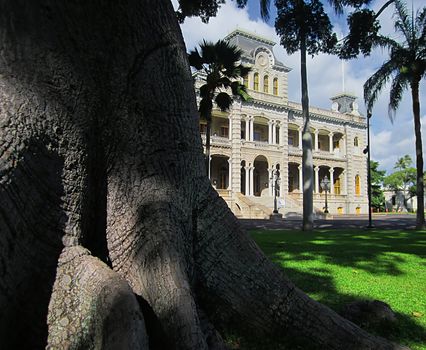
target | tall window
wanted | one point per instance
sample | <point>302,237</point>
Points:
<point>337,186</point>
<point>357,185</point>
<point>266,84</point>
<point>356,143</point>
<point>245,80</point>
<point>256,82</point>
<point>275,86</point>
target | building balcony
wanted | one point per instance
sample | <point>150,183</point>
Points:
<point>264,145</point>
<point>215,140</point>
<point>335,155</point>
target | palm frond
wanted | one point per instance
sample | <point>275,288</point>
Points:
<point>404,20</point>
<point>223,101</point>
<point>399,84</point>
<point>264,9</point>
<point>208,52</point>
<point>240,90</point>
<point>195,60</point>
<point>374,85</point>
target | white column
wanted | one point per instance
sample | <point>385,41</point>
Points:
<point>230,127</point>
<point>316,170</point>
<point>300,137</point>
<point>342,145</point>
<point>247,128</point>
<point>247,186</point>
<point>229,173</point>
<point>300,178</point>
<point>210,165</point>
<point>270,132</point>
<point>316,140</point>
<point>280,133</point>
<point>251,128</point>
<point>331,181</point>
<point>271,181</point>
<point>251,181</point>
<point>345,182</point>
<point>274,132</point>
<point>330,141</point>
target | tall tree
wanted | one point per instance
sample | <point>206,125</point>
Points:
<point>304,26</point>
<point>110,229</point>
<point>405,67</point>
<point>377,177</point>
<point>219,64</point>
<point>403,179</point>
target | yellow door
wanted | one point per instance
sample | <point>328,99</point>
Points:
<point>358,210</point>
<point>339,210</point>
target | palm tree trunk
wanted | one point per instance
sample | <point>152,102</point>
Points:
<point>420,217</point>
<point>307,161</point>
<point>208,146</point>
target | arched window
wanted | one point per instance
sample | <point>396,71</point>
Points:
<point>245,80</point>
<point>357,185</point>
<point>266,84</point>
<point>356,143</point>
<point>256,82</point>
<point>275,86</point>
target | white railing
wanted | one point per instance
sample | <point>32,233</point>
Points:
<point>217,140</point>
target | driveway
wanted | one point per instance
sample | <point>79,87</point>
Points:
<point>389,221</point>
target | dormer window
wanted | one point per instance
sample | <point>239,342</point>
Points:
<point>275,86</point>
<point>256,82</point>
<point>266,84</point>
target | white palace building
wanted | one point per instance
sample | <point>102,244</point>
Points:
<point>256,138</point>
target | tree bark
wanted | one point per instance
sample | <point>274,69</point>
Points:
<point>307,158</point>
<point>104,197</point>
<point>420,216</point>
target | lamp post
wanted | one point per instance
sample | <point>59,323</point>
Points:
<point>367,151</point>
<point>325,185</point>
<point>276,182</point>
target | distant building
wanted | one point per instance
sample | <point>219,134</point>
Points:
<point>255,139</point>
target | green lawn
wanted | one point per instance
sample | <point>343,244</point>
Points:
<point>335,267</point>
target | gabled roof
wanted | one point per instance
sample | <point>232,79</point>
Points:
<point>249,42</point>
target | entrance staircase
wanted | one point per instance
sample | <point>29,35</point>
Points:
<point>262,207</point>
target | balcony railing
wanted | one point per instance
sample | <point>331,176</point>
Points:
<point>217,140</point>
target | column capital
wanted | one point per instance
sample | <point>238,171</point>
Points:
<point>300,166</point>
<point>316,168</point>
<point>316,131</point>
<point>331,133</point>
<point>230,160</point>
<point>331,170</point>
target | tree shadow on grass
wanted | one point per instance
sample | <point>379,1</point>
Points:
<point>374,251</point>
<point>320,285</point>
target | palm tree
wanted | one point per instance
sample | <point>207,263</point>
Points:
<point>303,25</point>
<point>220,67</point>
<point>405,67</point>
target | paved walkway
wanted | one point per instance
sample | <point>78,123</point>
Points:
<point>390,221</point>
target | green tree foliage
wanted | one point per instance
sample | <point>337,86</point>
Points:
<point>405,68</point>
<point>403,179</point>
<point>377,177</point>
<point>218,64</point>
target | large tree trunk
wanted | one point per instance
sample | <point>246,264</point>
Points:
<point>420,216</point>
<point>105,208</point>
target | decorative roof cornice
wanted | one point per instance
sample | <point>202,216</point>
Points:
<point>250,36</point>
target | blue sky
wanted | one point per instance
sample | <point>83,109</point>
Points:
<point>388,141</point>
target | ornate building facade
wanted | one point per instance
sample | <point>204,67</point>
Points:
<point>259,140</point>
